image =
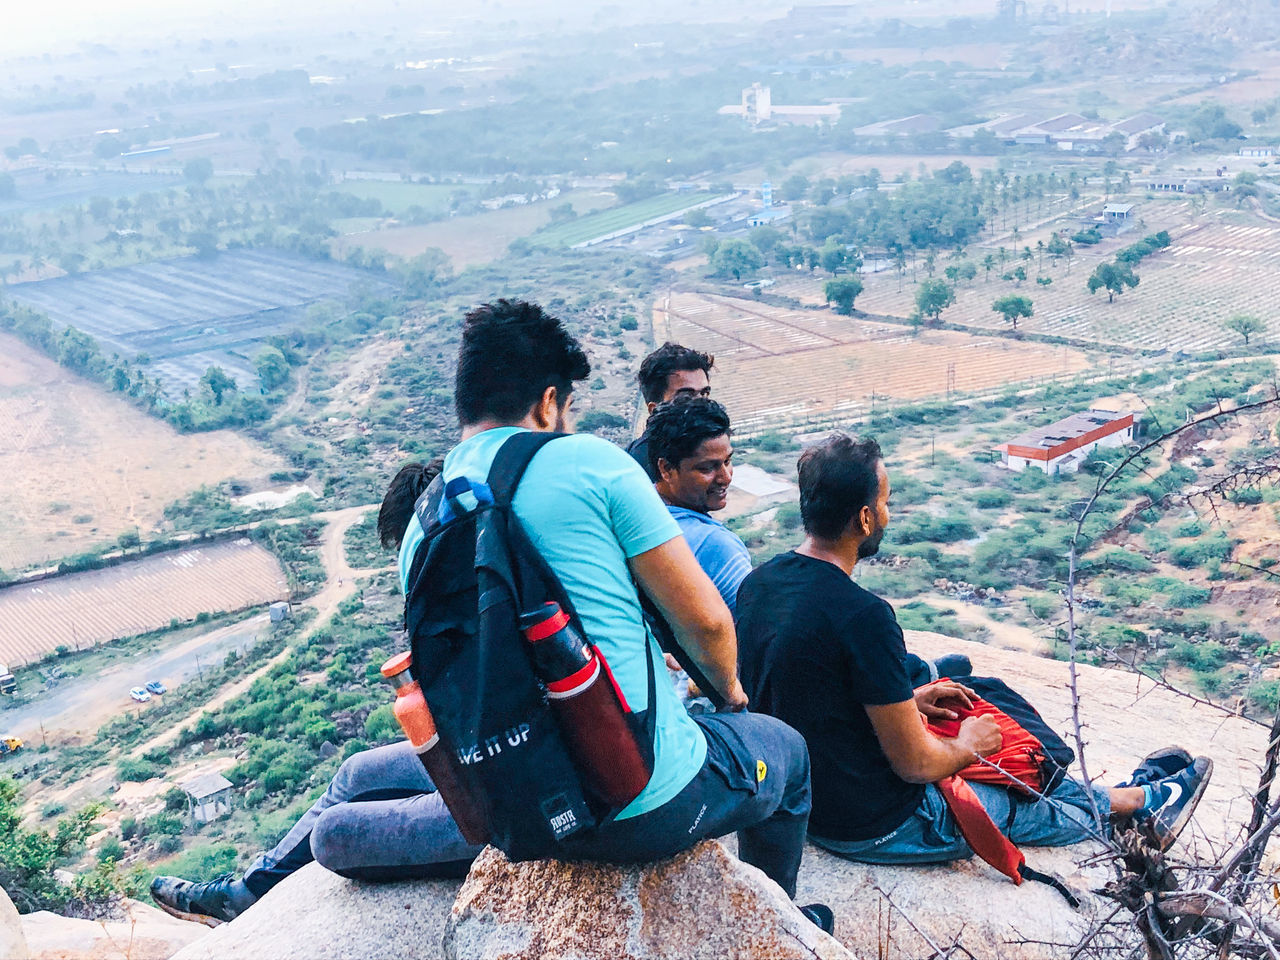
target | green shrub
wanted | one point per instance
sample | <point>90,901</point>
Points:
<point>110,849</point>
<point>381,726</point>
<point>166,824</point>
<point>773,442</point>
<point>788,517</point>
<point>990,498</point>
<point>1188,595</point>
<point>1118,559</point>
<point>601,419</point>
<point>1202,656</point>
<point>53,809</point>
<point>137,770</point>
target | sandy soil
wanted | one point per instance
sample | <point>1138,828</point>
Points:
<point>74,451</point>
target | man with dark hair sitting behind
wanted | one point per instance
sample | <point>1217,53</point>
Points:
<point>382,792</point>
<point>670,371</point>
<point>692,455</point>
<point>827,656</point>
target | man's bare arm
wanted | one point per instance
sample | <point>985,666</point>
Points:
<point>688,599</point>
<point>916,755</point>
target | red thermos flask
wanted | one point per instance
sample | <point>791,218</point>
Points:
<point>593,714</point>
<point>420,728</point>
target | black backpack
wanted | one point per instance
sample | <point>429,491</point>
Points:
<point>472,576</point>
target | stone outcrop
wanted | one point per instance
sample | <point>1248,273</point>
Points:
<point>141,933</point>
<point>12,941</point>
<point>317,915</point>
<point>703,903</point>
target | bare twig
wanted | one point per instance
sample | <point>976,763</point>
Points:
<point>1211,905</point>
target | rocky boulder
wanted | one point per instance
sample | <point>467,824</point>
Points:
<point>12,941</point>
<point>318,915</point>
<point>703,903</point>
<point>140,932</point>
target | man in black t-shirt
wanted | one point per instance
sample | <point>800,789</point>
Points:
<point>827,657</point>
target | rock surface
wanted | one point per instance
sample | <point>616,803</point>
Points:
<point>1126,718</point>
<point>144,933</point>
<point>317,915</point>
<point>12,942</point>
<point>703,903</point>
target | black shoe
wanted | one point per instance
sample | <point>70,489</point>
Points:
<point>211,902</point>
<point>1176,799</point>
<point>953,665</point>
<point>820,915</point>
<point>1158,766</point>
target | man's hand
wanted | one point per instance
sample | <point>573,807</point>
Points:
<point>735,699</point>
<point>927,699</point>
<point>980,735</point>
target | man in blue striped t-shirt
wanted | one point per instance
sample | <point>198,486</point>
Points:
<point>691,454</point>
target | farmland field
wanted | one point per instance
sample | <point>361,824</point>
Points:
<point>83,466</point>
<point>37,190</point>
<point>84,609</point>
<point>396,198</point>
<point>776,366</point>
<point>188,314</point>
<point>472,239</point>
<point>605,222</point>
<point>1215,268</point>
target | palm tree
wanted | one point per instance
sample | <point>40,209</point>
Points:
<point>1040,249</point>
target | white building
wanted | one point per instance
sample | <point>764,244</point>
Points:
<point>208,796</point>
<point>1062,446</point>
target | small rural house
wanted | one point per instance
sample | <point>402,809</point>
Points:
<point>208,796</point>
<point>1062,446</point>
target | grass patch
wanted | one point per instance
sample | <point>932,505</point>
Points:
<point>607,221</point>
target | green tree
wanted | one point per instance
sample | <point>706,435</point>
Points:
<point>736,258</point>
<point>832,257</point>
<point>8,189</point>
<point>932,297</point>
<point>842,293</point>
<point>1244,325</point>
<point>29,857</point>
<point>217,381</point>
<point>1115,277</point>
<point>205,243</point>
<point>989,264</point>
<point>698,217</point>
<point>425,272</point>
<point>273,368</point>
<point>198,171</point>
<point>1013,308</point>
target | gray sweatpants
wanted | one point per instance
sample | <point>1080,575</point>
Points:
<point>379,819</point>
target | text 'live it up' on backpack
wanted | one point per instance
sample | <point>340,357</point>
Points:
<point>522,700</point>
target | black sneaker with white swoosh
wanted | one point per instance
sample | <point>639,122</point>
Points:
<point>1177,797</point>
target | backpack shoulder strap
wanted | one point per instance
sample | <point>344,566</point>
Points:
<point>511,460</point>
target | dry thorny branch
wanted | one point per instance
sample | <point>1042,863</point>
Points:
<point>1203,906</point>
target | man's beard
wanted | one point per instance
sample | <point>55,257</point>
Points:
<point>871,546</point>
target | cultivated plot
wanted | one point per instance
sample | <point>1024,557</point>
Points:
<point>84,609</point>
<point>50,189</point>
<point>605,223</point>
<point>1212,271</point>
<point>188,314</point>
<point>82,466</point>
<point>778,367</point>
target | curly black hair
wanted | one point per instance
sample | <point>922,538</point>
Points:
<point>677,428</point>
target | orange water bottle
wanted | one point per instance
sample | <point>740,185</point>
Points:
<point>420,728</point>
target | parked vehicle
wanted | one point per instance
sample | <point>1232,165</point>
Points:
<point>140,695</point>
<point>9,745</point>
<point>156,687</point>
<point>8,682</point>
